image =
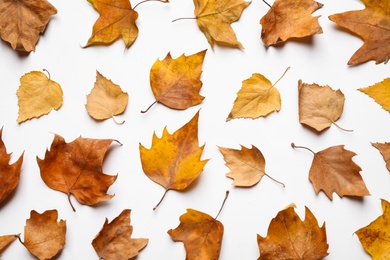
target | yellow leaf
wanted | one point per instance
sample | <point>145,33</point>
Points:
<point>37,95</point>
<point>380,92</point>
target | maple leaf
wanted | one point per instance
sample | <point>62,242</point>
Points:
<point>44,237</point>
<point>319,106</point>
<point>289,19</point>
<point>247,165</point>
<point>291,238</point>
<point>76,168</point>
<point>375,237</point>
<point>380,92</point>
<point>9,174</point>
<point>176,82</point>
<point>37,95</point>
<point>22,21</point>
<point>257,97</point>
<point>384,149</point>
<point>201,234</point>
<point>106,99</point>
<point>5,241</point>
<point>371,24</point>
<point>173,161</point>
<point>333,170</point>
<point>114,239</point>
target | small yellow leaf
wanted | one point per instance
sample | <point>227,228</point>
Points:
<point>37,95</point>
<point>380,92</point>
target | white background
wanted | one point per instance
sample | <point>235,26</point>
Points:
<point>321,59</point>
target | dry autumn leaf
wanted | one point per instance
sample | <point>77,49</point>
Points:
<point>44,237</point>
<point>5,241</point>
<point>114,239</point>
<point>37,95</point>
<point>289,19</point>
<point>333,170</point>
<point>173,161</point>
<point>176,82</point>
<point>247,166</point>
<point>9,174</point>
<point>291,238</point>
<point>375,237</point>
<point>257,97</point>
<point>201,234</point>
<point>106,99</point>
<point>76,169</point>
<point>380,92</point>
<point>371,24</point>
<point>384,149</point>
<point>22,21</point>
<point>319,107</point>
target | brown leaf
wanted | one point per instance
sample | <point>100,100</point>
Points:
<point>371,24</point>
<point>22,21</point>
<point>375,237</point>
<point>176,82</point>
<point>9,174</point>
<point>380,92</point>
<point>319,107</point>
<point>106,99</point>
<point>76,168</point>
<point>384,149</point>
<point>173,161</point>
<point>44,237</point>
<point>114,239</point>
<point>291,238</point>
<point>333,170</point>
<point>5,241</point>
<point>289,19</point>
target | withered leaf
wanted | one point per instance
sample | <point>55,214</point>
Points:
<point>9,174</point>
<point>173,161</point>
<point>114,239</point>
<point>106,99</point>
<point>291,238</point>
<point>44,237</point>
<point>289,19</point>
<point>214,18</point>
<point>371,24</point>
<point>380,92</point>
<point>76,168</point>
<point>22,21</point>
<point>319,107</point>
<point>5,241</point>
<point>333,170</point>
<point>384,149</point>
<point>37,95</point>
<point>375,237</point>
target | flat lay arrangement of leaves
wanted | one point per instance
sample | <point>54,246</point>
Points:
<point>115,103</point>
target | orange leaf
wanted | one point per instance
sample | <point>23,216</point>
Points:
<point>9,174</point>
<point>44,237</point>
<point>114,239</point>
<point>333,170</point>
<point>289,19</point>
<point>384,149</point>
<point>76,168</point>
<point>291,238</point>
<point>173,161</point>
<point>380,92</point>
<point>117,20</point>
<point>5,241</point>
<point>371,24</point>
<point>22,21</point>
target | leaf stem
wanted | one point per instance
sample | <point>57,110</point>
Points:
<point>70,202</point>
<point>302,147</point>
<point>183,18</point>
<point>48,73</point>
<point>267,4</point>
<point>284,73</point>
<point>144,111</point>
<point>223,203</point>
<point>158,204</point>
<point>281,183</point>
<point>20,240</point>
<point>343,129</point>
<point>119,123</point>
<point>144,1</point>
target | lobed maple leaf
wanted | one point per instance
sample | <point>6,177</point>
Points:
<point>44,237</point>
<point>76,168</point>
<point>114,239</point>
<point>106,99</point>
<point>289,237</point>
<point>289,19</point>
<point>173,161</point>
<point>372,24</point>
<point>37,95</point>
<point>9,174</point>
<point>22,21</point>
<point>5,241</point>
<point>384,149</point>
<point>380,92</point>
<point>375,237</point>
